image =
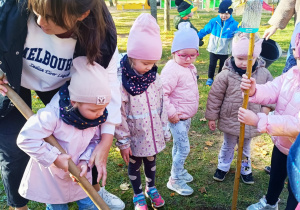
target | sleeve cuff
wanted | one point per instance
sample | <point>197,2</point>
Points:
<point>49,157</point>
<point>262,122</point>
<point>108,128</point>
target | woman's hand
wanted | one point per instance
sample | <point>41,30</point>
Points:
<point>212,125</point>
<point>83,167</point>
<point>3,80</point>
<point>247,117</point>
<point>126,153</point>
<point>99,157</point>
<point>62,162</point>
<point>248,84</point>
<point>269,32</point>
<point>174,119</point>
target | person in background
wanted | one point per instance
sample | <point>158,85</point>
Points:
<point>222,29</point>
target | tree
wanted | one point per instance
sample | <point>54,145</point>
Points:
<point>153,8</point>
<point>167,15</point>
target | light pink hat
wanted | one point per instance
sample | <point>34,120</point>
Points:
<point>89,83</point>
<point>241,45</point>
<point>144,39</point>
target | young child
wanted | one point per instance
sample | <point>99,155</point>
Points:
<point>186,10</point>
<point>224,100</point>
<point>143,131</point>
<point>283,126</point>
<point>181,97</point>
<point>222,30</point>
<point>73,116</point>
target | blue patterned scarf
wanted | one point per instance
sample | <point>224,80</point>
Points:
<point>72,116</point>
<point>133,83</point>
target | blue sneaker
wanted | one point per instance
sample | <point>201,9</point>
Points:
<point>140,202</point>
<point>209,81</point>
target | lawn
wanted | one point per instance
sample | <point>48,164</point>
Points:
<point>205,145</point>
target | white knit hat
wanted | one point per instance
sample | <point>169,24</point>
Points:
<point>89,83</point>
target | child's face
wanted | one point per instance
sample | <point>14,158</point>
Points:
<point>241,62</point>
<point>185,57</point>
<point>224,16</point>
<point>142,66</point>
<point>90,111</point>
<point>190,15</point>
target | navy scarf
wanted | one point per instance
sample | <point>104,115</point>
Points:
<point>133,83</point>
<point>241,71</point>
<point>72,116</point>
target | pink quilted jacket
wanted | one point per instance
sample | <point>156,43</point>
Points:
<point>284,125</point>
<point>180,87</point>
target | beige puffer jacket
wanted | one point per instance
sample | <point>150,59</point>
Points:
<point>225,99</point>
<point>284,12</point>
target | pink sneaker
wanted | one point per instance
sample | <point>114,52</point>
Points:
<point>140,202</point>
<point>155,197</point>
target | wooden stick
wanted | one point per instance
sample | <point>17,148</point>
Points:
<point>242,127</point>
<point>82,181</point>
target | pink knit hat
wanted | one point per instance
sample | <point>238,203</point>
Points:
<point>240,47</point>
<point>144,39</point>
<point>89,83</point>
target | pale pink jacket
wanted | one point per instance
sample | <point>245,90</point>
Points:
<point>181,93</point>
<point>144,121</point>
<point>42,180</point>
<point>284,125</point>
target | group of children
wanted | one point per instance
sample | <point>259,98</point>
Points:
<point>153,104</point>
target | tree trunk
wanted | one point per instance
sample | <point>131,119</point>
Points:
<point>167,15</point>
<point>111,4</point>
<point>153,8</point>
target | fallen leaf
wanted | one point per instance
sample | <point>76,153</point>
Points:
<point>172,194</point>
<point>202,190</point>
<point>117,149</point>
<point>124,186</point>
<point>35,96</point>
<point>209,143</point>
<point>205,148</point>
<point>199,135</point>
<point>193,131</point>
<point>203,120</point>
<point>120,165</point>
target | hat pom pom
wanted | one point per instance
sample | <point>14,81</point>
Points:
<point>184,25</point>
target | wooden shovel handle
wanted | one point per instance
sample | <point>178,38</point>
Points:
<point>82,181</point>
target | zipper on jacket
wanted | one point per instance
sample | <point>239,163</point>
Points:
<point>151,121</point>
<point>218,45</point>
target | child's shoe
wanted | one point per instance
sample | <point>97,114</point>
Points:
<point>186,177</point>
<point>247,179</point>
<point>219,175</point>
<point>262,204</point>
<point>139,202</point>
<point>268,169</point>
<point>209,81</point>
<point>179,186</point>
<point>155,198</point>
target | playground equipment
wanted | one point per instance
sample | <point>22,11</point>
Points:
<point>126,5</point>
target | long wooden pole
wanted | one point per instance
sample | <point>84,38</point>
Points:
<point>242,127</point>
<point>82,181</point>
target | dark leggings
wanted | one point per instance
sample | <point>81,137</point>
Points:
<point>278,175</point>
<point>13,161</point>
<point>135,175</point>
<point>213,59</point>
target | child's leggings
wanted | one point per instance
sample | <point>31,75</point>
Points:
<point>278,175</point>
<point>227,152</point>
<point>135,175</point>
<point>181,147</point>
<point>213,59</point>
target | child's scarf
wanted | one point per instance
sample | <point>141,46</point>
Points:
<point>72,116</point>
<point>239,70</point>
<point>133,83</point>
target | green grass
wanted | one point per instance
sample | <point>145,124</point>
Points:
<point>202,160</point>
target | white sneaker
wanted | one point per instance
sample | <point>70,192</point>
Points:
<point>179,186</point>
<point>186,177</point>
<point>262,204</point>
<point>112,201</point>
